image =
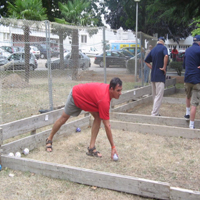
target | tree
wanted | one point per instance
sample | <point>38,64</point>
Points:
<point>4,8</point>
<point>29,10</point>
<point>76,12</point>
<point>196,31</point>
<point>172,17</point>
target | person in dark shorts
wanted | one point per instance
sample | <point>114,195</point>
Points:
<point>191,64</point>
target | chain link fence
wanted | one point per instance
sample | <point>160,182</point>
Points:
<point>40,62</point>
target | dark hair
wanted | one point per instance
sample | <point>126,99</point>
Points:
<point>114,82</point>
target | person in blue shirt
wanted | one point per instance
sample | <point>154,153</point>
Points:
<point>191,64</point>
<point>146,68</point>
<point>158,56</point>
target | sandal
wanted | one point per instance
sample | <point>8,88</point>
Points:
<point>91,152</point>
<point>49,146</point>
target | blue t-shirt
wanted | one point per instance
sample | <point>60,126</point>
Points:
<point>191,62</point>
<point>156,56</point>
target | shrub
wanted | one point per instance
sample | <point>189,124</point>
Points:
<point>178,66</point>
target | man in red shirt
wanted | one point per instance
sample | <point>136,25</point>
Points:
<point>174,53</point>
<point>94,98</point>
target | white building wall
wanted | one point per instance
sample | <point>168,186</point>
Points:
<point>183,44</point>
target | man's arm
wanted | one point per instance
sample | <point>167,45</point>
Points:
<point>110,137</point>
<point>149,65</point>
<point>165,64</point>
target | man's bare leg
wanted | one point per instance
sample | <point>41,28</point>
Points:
<point>95,130</point>
<point>193,113</point>
<point>59,122</point>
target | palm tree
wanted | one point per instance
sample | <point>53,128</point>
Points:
<point>28,10</point>
<point>76,12</point>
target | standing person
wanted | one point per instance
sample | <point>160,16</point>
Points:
<point>174,53</point>
<point>146,68</point>
<point>192,79</point>
<point>141,61</point>
<point>159,57</point>
<point>95,98</point>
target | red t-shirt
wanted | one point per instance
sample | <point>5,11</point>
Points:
<point>93,97</point>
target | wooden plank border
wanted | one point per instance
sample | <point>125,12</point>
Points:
<point>139,92</point>
<point>38,139</point>
<point>128,184</point>
<point>161,130</point>
<point>183,194</point>
<point>30,124</point>
<point>148,99</point>
<point>147,119</point>
<point>1,142</point>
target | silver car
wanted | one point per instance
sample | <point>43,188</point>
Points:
<point>84,61</point>
<point>17,62</point>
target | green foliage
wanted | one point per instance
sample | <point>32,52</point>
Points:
<point>172,17</point>
<point>178,66</point>
<point>75,12</point>
<point>196,31</point>
<point>27,9</point>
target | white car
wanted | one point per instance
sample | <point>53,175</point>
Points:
<point>34,50</point>
<point>90,51</point>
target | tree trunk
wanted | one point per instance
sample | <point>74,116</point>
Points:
<point>27,52</point>
<point>75,54</point>
<point>62,66</point>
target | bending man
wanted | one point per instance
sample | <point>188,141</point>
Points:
<point>94,98</point>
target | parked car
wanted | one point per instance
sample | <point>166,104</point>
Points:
<point>90,51</point>
<point>84,61</point>
<point>43,50</point>
<point>3,60</point>
<point>4,53</point>
<point>55,52</point>
<point>131,49</point>
<point>9,49</point>
<point>126,53</point>
<point>20,49</point>
<point>17,62</point>
<point>35,51</point>
<point>112,58</point>
<point>130,64</point>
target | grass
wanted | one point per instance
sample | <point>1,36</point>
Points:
<point>21,102</point>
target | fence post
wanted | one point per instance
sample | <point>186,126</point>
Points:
<point>104,54</point>
<point>1,142</point>
<point>47,29</point>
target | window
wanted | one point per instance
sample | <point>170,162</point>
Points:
<point>5,36</point>
<point>83,38</point>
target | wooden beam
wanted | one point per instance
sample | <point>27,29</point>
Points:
<point>173,100</point>
<point>143,100</point>
<point>148,119</point>
<point>139,92</point>
<point>183,194</point>
<point>157,129</point>
<point>128,184</point>
<point>1,142</point>
<point>170,82</point>
<point>38,139</point>
<point>30,124</point>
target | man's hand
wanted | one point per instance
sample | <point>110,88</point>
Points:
<point>113,151</point>
<point>198,67</point>
<point>164,70</point>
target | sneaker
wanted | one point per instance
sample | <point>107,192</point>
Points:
<point>187,117</point>
<point>192,127</point>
